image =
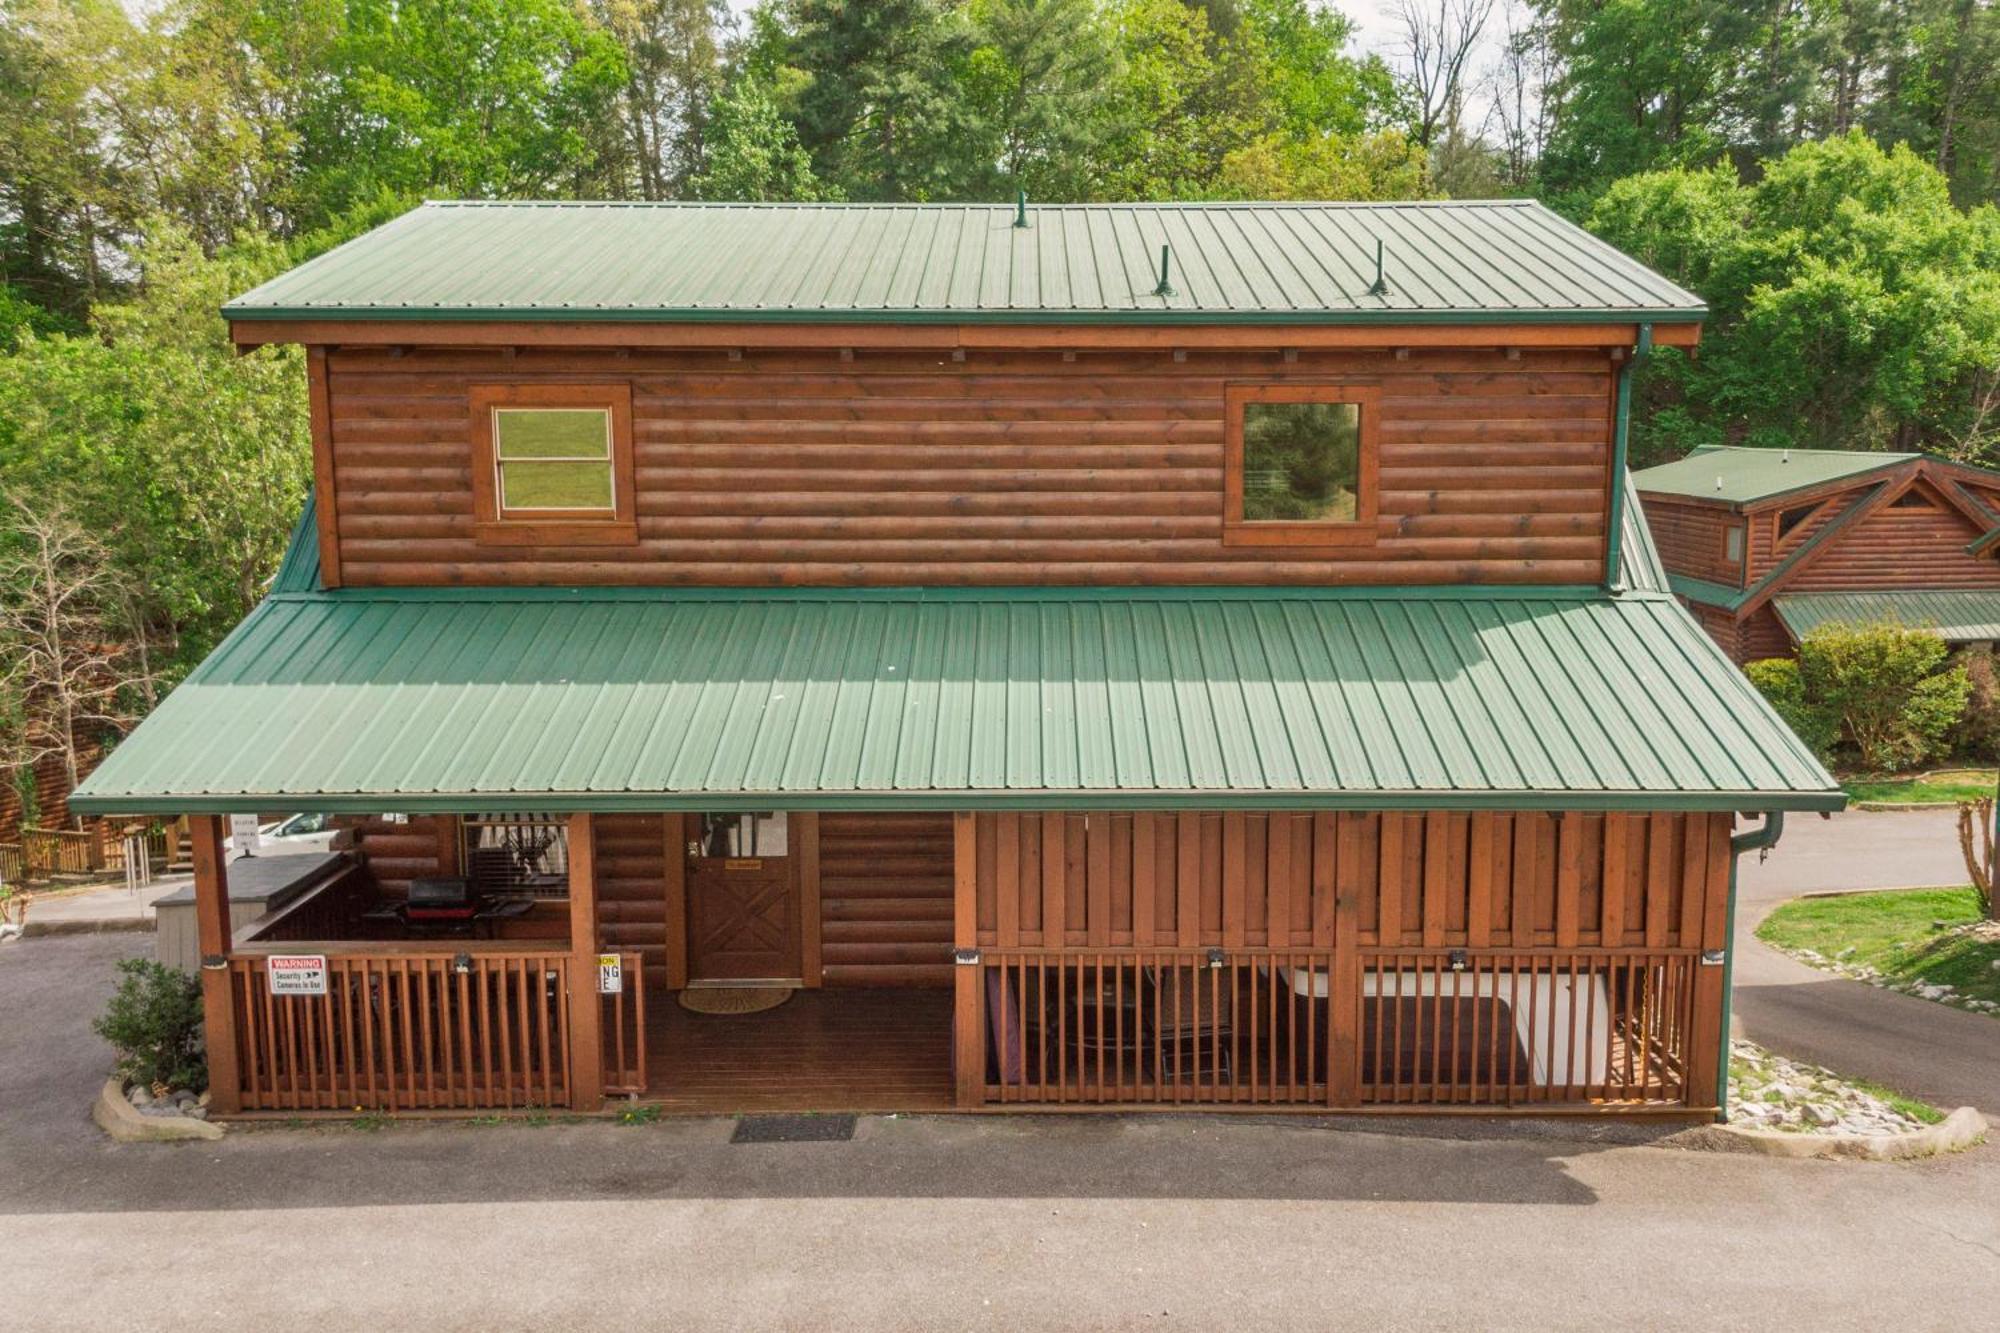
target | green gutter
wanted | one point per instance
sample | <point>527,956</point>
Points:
<point>1757,840</point>
<point>561,314</point>
<point>1620,452</point>
<point>86,801</point>
<point>952,595</point>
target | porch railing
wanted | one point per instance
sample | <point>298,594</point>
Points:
<point>1262,1027</point>
<point>1516,1028</point>
<point>1159,1027</point>
<point>429,1029</point>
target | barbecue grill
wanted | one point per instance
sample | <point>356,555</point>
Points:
<point>441,902</point>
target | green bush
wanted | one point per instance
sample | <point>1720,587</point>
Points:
<point>1884,693</point>
<point>1778,680</point>
<point>154,1022</point>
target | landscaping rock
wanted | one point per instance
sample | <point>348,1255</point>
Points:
<point>156,1122</point>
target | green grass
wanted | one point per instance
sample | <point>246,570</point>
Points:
<point>1909,1106</point>
<point>1954,784</point>
<point>641,1114</point>
<point>1898,934</point>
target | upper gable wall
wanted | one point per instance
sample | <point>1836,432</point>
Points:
<point>1899,548</point>
<point>893,467</point>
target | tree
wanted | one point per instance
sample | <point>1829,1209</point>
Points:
<point>1038,84</point>
<point>186,460</point>
<point>1438,38</point>
<point>882,116</point>
<point>754,153</point>
<point>1851,304</point>
<point>70,656</point>
<point>672,73</point>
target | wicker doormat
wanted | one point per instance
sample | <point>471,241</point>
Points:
<point>734,999</point>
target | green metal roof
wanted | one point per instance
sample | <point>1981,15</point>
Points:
<point>1708,592</point>
<point>1287,263</point>
<point>532,699</point>
<point>1639,565</point>
<point>1960,616</point>
<point>1744,476</point>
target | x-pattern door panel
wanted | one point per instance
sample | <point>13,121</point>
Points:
<point>741,919</point>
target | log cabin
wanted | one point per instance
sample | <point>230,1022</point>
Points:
<point>1765,545</point>
<point>1080,657</point>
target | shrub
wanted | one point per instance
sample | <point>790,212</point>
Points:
<point>154,1022</point>
<point>1778,680</point>
<point>1978,731</point>
<point>1885,688</point>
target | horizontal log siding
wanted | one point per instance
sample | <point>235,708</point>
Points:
<point>1721,627</point>
<point>631,889</point>
<point>1899,548</point>
<point>885,899</point>
<point>1442,880</point>
<point>1690,541</point>
<point>395,854</point>
<point>1010,467</point>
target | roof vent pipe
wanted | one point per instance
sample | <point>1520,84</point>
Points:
<point>1020,208</point>
<point>1166,287</point>
<point>1786,455</point>
<point>1381,287</point>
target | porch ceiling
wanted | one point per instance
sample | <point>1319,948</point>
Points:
<point>1089,698</point>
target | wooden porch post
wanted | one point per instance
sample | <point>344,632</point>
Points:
<point>212,933</point>
<point>968,1041</point>
<point>586,1007</point>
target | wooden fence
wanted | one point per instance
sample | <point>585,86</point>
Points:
<point>433,1029</point>
<point>1496,1028</point>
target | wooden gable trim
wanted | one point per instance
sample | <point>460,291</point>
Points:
<point>1816,545</point>
<point>1897,476</point>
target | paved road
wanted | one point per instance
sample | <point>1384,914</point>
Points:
<point>1941,1054</point>
<point>940,1222</point>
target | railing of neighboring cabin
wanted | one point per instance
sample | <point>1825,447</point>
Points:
<point>1423,1028</point>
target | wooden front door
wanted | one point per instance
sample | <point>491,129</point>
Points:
<point>743,922</point>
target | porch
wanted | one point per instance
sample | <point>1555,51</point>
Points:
<point>1266,960</point>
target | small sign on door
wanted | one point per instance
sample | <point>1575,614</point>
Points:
<point>610,974</point>
<point>296,974</point>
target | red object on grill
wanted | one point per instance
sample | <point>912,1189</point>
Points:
<point>440,900</point>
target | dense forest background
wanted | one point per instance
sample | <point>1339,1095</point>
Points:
<point>1824,172</point>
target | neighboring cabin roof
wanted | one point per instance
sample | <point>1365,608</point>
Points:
<point>600,699</point>
<point>1741,476</point>
<point>1959,616</point>
<point>1486,261</point>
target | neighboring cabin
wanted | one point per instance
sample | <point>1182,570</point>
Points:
<point>1765,544</point>
<point>1098,656</point>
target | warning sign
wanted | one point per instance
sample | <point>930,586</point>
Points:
<point>296,974</point>
<point>610,974</point>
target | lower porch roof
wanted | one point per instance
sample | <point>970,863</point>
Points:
<point>383,700</point>
<point>1970,615</point>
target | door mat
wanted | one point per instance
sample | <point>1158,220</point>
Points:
<point>793,1129</point>
<point>733,999</point>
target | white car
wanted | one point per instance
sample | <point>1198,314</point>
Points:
<point>295,835</point>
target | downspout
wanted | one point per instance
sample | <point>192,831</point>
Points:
<point>1756,840</point>
<point>1620,458</point>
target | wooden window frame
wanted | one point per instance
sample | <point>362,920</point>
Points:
<point>493,526</point>
<point>1357,531</point>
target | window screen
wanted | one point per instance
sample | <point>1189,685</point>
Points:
<point>1301,462</point>
<point>518,855</point>
<point>553,459</point>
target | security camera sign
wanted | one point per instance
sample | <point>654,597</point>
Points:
<point>296,974</point>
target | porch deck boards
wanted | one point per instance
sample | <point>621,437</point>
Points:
<point>822,1050</point>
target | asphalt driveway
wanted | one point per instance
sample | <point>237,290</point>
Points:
<point>930,1222</point>
<point>1943,1055</point>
